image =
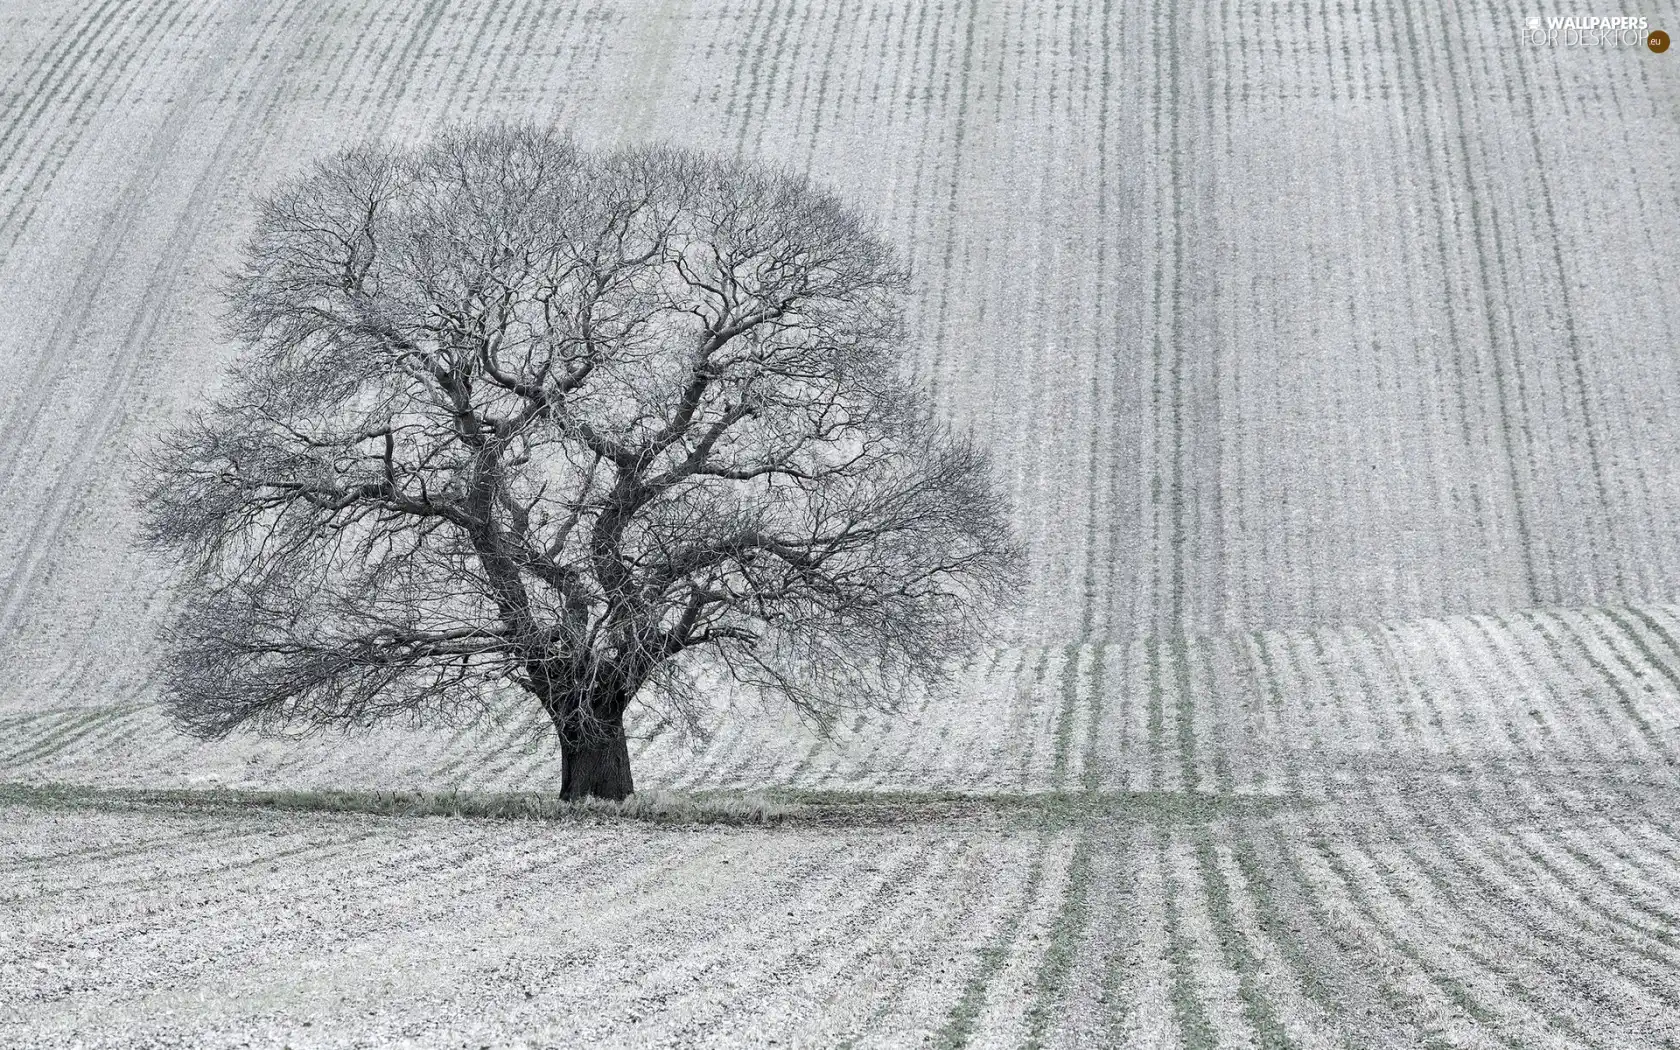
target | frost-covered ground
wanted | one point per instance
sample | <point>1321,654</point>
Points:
<point>340,931</point>
<point>1257,713</point>
<point>1429,833</point>
<point>1327,351</point>
<point>1448,907</point>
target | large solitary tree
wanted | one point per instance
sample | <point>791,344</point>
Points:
<point>612,427</point>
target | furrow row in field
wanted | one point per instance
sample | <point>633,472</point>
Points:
<point>43,78</point>
<point>127,81</point>
<point>1491,899</point>
<point>74,458</point>
<point>1582,701</point>
<point>717,921</point>
<point>325,896</point>
<point>1403,923</point>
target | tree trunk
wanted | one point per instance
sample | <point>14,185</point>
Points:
<point>598,767</point>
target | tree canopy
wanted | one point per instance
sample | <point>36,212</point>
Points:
<point>608,426</point>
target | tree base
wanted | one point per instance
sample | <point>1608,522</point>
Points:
<point>600,770</point>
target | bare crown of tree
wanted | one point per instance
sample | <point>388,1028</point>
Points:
<point>608,426</point>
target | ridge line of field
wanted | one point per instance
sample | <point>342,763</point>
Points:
<point>770,807</point>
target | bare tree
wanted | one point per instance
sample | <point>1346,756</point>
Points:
<point>599,425</point>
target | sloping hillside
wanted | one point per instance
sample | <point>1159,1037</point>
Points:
<point>1310,316</point>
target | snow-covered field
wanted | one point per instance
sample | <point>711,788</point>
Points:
<point>1534,695</point>
<point>1452,832</point>
<point>1328,351</point>
<point>1418,903</point>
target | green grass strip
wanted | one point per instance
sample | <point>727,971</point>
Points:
<point>659,807</point>
<point>1270,916</point>
<point>1185,706</point>
<point>1450,986</point>
<point>773,806</point>
<point>1193,1021</point>
<point>1072,918</point>
<point>959,1024</point>
<point>1090,777</point>
<point>1064,724</point>
<point>1233,945</point>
